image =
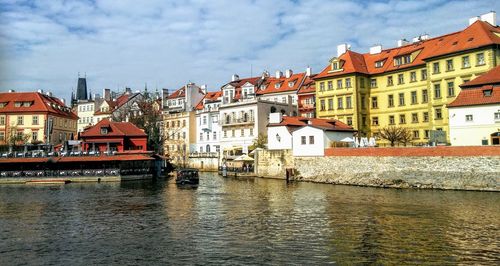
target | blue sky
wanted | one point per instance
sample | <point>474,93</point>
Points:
<point>45,44</point>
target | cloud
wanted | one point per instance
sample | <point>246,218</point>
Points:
<point>45,44</point>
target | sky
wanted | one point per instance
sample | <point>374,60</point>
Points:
<point>165,44</point>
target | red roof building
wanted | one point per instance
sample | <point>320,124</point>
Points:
<point>113,136</point>
<point>306,96</point>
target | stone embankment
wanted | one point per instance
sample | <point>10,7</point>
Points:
<point>461,168</point>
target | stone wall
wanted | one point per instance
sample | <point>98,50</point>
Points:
<point>439,172</point>
<point>204,163</point>
<point>273,163</point>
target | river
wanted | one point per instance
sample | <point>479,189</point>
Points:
<point>232,221</point>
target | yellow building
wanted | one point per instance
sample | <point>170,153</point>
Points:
<point>33,117</point>
<point>406,86</point>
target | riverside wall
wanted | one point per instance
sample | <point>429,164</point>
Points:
<point>443,167</point>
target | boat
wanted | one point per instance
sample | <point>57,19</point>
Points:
<point>187,176</point>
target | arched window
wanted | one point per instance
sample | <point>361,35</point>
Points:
<point>208,148</point>
<point>228,119</point>
<point>245,117</point>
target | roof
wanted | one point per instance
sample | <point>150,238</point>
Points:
<point>121,157</point>
<point>487,94</point>
<point>115,129</point>
<point>281,83</point>
<point>209,97</point>
<point>308,86</point>
<point>324,124</point>
<point>38,103</point>
<point>240,82</point>
<point>489,78</point>
<point>181,92</point>
<point>479,34</point>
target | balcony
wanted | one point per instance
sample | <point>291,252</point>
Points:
<point>237,122</point>
<point>206,127</point>
<point>204,155</point>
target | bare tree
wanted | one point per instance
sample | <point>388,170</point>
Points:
<point>395,135</point>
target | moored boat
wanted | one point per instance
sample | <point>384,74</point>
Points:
<point>187,176</point>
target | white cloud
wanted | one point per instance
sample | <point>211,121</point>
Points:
<point>44,44</point>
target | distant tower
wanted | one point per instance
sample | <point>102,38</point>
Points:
<point>81,89</point>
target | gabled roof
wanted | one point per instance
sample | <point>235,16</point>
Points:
<point>181,92</point>
<point>324,124</point>
<point>487,94</point>
<point>115,129</point>
<point>489,78</point>
<point>308,86</point>
<point>479,34</point>
<point>271,82</point>
<point>39,103</point>
<point>210,96</point>
<point>240,82</point>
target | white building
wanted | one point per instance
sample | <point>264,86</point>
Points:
<point>475,113</point>
<point>207,120</point>
<point>305,136</point>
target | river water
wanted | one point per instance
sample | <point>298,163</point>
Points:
<point>231,221</point>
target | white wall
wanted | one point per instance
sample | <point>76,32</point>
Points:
<point>212,125</point>
<point>316,149</point>
<point>471,133</point>
<point>285,138</point>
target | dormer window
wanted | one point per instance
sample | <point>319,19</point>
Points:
<point>291,84</point>
<point>104,130</point>
<point>262,87</point>
<point>379,64</point>
<point>335,66</point>
<point>18,104</point>
<point>277,85</point>
<point>402,60</point>
<point>487,93</point>
<point>2,105</point>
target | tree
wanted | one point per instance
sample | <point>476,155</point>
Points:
<point>17,138</point>
<point>395,135</point>
<point>259,142</point>
<point>150,120</point>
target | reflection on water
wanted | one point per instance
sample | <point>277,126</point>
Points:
<point>229,221</point>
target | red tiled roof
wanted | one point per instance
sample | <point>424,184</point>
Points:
<point>283,81</point>
<point>210,96</point>
<point>240,82</point>
<point>40,103</point>
<point>477,96</point>
<point>114,129</point>
<point>479,34</point>
<point>491,77</point>
<point>121,157</point>
<point>181,92</point>
<point>325,124</point>
<point>308,86</point>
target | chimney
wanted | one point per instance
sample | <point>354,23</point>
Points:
<point>63,101</point>
<point>164,92</point>
<point>308,71</point>
<point>204,88</point>
<point>128,90</point>
<point>490,17</point>
<point>107,94</point>
<point>48,94</point>
<point>424,37</point>
<point>235,77</point>
<point>12,91</point>
<point>40,91</point>
<point>402,42</point>
<point>279,74</point>
<point>265,74</point>
<point>275,118</point>
<point>288,73</point>
<point>376,49</point>
<point>342,49</point>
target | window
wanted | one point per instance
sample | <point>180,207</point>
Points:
<point>435,68</point>
<point>416,134</point>
<point>391,120</point>
<point>204,120</point>
<point>2,120</point>
<point>480,59</point>
<point>34,136</point>
<point>322,105</point>
<point>330,104</point>
<point>201,136</point>
<point>426,116</point>
<point>214,135</point>
<point>18,104</point>
<point>413,76</point>
<point>414,117</point>
<point>401,99</point>
<point>225,133</point>
<point>390,100</point>
<point>402,119</point>
<point>349,121</point>
<point>449,65</point>
<point>104,130</point>
<point>340,103</point>
<point>322,86</point>
<point>437,91</point>
<point>363,120</point>
<point>2,136</point>
<point>363,105</point>
<point>425,96</point>
<point>335,66</point>
<point>497,116</point>
<point>401,79</point>
<point>20,120</point>
<point>303,140</point>
<point>251,131</point>
<point>439,115</point>
<point>487,92</point>
<point>414,99</point>
<point>348,102</point>
<point>373,83</point>
<point>233,133</point>
<point>330,85</point>
<point>451,89</point>
<point>427,134</point>
<point>311,139</point>
<point>469,118</point>
<point>361,82</point>
<point>390,82</point>
<point>184,135</point>
<point>242,133</point>
<point>465,62</point>
<point>348,82</point>
<point>374,102</point>
<point>375,121</point>
<point>183,123</point>
<point>379,64</point>
<point>339,84</point>
<point>423,74</point>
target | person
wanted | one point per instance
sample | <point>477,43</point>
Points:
<point>244,167</point>
<point>224,170</point>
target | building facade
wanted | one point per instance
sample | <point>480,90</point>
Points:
<point>35,117</point>
<point>409,85</point>
<point>108,136</point>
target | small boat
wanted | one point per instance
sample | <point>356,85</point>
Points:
<point>187,176</point>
